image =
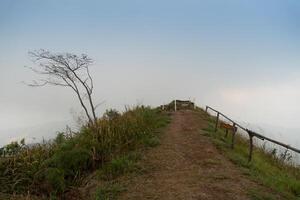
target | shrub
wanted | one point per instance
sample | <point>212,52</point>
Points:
<point>151,141</point>
<point>50,168</point>
<point>108,192</point>
<point>55,178</point>
<point>117,167</point>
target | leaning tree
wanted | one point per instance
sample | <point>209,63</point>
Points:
<point>66,70</point>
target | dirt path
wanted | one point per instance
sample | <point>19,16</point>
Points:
<point>187,166</point>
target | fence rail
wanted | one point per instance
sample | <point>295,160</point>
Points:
<point>251,133</point>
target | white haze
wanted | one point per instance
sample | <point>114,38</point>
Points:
<point>266,102</point>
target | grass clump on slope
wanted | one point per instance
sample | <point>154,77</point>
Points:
<point>51,169</point>
<point>266,167</point>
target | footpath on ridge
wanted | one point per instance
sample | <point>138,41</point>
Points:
<point>187,165</point>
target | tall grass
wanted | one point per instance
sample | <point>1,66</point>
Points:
<point>52,168</point>
<point>266,167</point>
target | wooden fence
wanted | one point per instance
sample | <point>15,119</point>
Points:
<point>251,133</point>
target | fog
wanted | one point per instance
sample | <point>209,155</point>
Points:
<point>243,61</point>
<point>271,106</point>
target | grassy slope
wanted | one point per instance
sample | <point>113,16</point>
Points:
<point>264,168</point>
<point>55,169</point>
<point>107,177</point>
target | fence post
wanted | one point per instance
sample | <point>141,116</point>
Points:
<point>217,122</point>
<point>175,106</point>
<point>233,135</point>
<point>226,133</point>
<point>251,146</point>
<point>250,133</point>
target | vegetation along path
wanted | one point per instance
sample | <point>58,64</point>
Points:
<point>187,165</point>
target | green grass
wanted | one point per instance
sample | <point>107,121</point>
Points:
<point>110,191</point>
<point>264,168</point>
<point>126,164</point>
<point>261,195</point>
<point>151,141</point>
<point>51,168</point>
<point>119,166</point>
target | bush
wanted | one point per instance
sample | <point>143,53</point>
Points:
<point>108,192</point>
<point>151,141</point>
<point>55,178</point>
<point>117,167</point>
<point>50,168</point>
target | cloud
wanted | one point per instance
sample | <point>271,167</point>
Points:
<point>273,103</point>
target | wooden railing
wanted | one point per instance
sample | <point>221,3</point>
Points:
<point>251,133</point>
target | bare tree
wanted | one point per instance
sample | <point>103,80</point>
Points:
<point>66,70</point>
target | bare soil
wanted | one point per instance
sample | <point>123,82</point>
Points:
<point>187,166</point>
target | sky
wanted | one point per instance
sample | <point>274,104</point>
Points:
<point>240,57</point>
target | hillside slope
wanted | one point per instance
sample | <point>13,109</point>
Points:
<point>187,165</point>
